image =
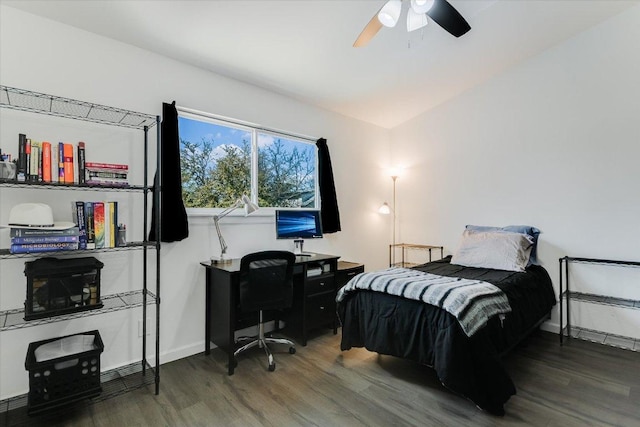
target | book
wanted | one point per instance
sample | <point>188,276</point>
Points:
<point>81,162</point>
<point>61,162</point>
<point>88,216</point>
<point>55,171</point>
<point>22,157</point>
<point>98,224</point>
<point>38,155</point>
<point>27,156</point>
<point>90,173</point>
<point>35,171</point>
<point>36,232</point>
<point>98,165</point>
<point>68,163</point>
<point>46,161</point>
<point>44,239</point>
<point>108,182</point>
<point>113,224</point>
<point>107,224</point>
<point>79,220</point>
<point>42,247</point>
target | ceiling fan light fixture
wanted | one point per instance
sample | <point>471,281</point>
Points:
<point>416,20</point>
<point>421,6</point>
<point>390,13</point>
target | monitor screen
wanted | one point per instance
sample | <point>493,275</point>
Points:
<point>298,224</point>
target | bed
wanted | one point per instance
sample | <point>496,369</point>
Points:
<point>467,364</point>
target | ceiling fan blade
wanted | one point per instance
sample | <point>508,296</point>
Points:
<point>448,18</point>
<point>368,32</point>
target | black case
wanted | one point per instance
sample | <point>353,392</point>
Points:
<point>61,286</point>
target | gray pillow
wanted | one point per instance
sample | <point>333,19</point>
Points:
<point>500,250</point>
<point>525,229</point>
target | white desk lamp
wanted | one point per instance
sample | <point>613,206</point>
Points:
<point>249,208</point>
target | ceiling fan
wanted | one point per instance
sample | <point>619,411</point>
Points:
<point>440,11</point>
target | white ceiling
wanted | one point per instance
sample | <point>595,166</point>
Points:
<point>303,48</point>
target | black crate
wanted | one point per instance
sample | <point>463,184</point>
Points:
<point>57,382</point>
<point>60,286</point>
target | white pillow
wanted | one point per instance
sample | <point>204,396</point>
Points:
<point>500,250</point>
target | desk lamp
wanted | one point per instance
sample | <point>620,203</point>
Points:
<point>249,208</point>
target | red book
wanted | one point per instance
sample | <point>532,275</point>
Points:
<point>97,165</point>
<point>68,163</point>
<point>46,161</point>
<point>98,224</point>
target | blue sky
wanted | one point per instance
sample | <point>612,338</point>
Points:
<point>194,130</point>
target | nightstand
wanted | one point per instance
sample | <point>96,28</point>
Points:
<point>346,271</point>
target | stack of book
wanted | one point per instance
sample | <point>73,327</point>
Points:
<point>111,174</point>
<point>43,161</point>
<point>29,240</point>
<point>65,163</point>
<point>97,222</point>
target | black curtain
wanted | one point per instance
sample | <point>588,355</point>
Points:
<point>173,224</point>
<point>329,212</point>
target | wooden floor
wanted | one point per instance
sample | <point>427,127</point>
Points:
<point>579,384</point>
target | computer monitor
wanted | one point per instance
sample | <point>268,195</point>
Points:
<point>298,224</point>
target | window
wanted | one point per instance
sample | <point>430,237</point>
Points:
<point>222,160</point>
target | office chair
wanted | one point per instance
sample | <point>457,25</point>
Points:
<point>266,283</point>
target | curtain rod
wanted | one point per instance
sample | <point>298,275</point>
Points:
<point>243,123</point>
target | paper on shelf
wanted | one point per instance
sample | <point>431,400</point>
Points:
<point>64,347</point>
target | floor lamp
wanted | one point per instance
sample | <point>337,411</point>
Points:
<point>386,210</point>
<point>249,208</point>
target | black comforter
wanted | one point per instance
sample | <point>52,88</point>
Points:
<point>470,366</point>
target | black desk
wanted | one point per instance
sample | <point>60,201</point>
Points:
<point>313,302</point>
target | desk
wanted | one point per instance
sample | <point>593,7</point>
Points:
<point>313,302</point>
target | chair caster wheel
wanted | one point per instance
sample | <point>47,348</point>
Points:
<point>292,350</point>
<point>272,367</point>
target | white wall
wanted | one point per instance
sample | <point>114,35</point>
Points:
<point>554,143</point>
<point>48,57</point>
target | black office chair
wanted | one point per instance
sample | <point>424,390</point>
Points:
<point>266,283</point>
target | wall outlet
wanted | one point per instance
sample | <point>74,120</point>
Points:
<point>149,327</point>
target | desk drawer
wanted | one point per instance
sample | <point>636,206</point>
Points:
<point>321,309</point>
<point>324,283</point>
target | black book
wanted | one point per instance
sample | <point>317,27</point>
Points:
<point>81,162</point>
<point>22,157</point>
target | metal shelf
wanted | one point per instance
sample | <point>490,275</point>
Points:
<point>39,103</point>
<point>602,261</point>
<point>35,102</point>
<point>114,383</point>
<point>405,248</point>
<point>14,319</point>
<point>11,183</point>
<point>600,337</point>
<point>5,253</point>
<point>567,296</point>
<point>603,299</point>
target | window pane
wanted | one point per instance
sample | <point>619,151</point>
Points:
<point>215,161</point>
<point>286,172</point>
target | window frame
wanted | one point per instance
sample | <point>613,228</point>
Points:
<point>254,129</point>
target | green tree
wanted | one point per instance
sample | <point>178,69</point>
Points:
<point>285,177</point>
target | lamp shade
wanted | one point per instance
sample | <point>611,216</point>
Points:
<point>249,206</point>
<point>421,6</point>
<point>384,209</point>
<point>390,13</point>
<point>416,20</point>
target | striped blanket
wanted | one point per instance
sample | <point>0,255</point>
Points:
<point>472,302</point>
